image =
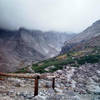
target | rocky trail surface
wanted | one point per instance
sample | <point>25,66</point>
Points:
<point>81,83</point>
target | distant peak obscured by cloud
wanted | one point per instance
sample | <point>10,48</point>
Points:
<point>58,15</point>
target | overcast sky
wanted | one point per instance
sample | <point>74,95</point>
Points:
<point>58,15</point>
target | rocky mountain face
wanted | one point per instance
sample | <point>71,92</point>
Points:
<point>90,32</point>
<point>21,47</point>
<point>89,37</point>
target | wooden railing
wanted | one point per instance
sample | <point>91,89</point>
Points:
<point>32,76</point>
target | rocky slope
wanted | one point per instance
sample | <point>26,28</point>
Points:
<point>81,83</point>
<point>21,47</point>
<point>90,32</point>
<point>88,38</point>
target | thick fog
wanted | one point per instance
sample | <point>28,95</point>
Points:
<point>59,15</point>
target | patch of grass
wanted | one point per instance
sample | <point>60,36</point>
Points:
<point>58,64</point>
<point>72,58</point>
<point>23,70</point>
<point>89,59</point>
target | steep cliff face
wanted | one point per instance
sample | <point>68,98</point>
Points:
<point>19,48</point>
<point>89,37</point>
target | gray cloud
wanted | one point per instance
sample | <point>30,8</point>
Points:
<point>59,15</point>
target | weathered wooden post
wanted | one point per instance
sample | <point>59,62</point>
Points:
<point>36,86</point>
<point>1,79</point>
<point>31,76</point>
<point>53,83</point>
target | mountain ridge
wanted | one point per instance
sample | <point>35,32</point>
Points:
<point>22,47</point>
<point>84,38</point>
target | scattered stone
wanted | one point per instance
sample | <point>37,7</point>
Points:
<point>81,83</point>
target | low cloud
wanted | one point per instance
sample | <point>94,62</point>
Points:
<point>59,15</point>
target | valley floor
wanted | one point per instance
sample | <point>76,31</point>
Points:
<point>81,83</point>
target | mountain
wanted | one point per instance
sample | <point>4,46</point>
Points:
<point>21,47</point>
<point>89,37</point>
<point>92,31</point>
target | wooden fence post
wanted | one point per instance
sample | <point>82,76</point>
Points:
<point>36,86</point>
<point>31,76</point>
<point>53,83</point>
